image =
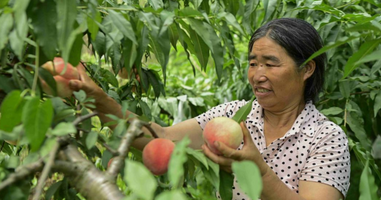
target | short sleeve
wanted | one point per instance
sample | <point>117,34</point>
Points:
<point>329,160</point>
<point>222,110</point>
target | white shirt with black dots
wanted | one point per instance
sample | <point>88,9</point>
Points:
<point>314,149</point>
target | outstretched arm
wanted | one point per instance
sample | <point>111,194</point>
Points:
<point>106,105</point>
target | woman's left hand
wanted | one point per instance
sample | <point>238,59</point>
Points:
<point>248,152</point>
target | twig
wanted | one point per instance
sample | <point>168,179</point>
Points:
<point>45,171</point>
<point>21,173</point>
<point>84,117</point>
<point>134,130</point>
<point>148,126</point>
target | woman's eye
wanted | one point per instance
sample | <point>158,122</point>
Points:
<point>253,64</point>
<point>270,65</point>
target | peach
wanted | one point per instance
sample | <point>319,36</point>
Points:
<point>59,66</point>
<point>156,155</point>
<point>56,68</point>
<point>224,130</point>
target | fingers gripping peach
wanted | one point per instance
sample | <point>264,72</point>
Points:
<point>61,75</point>
<point>156,155</point>
<point>224,130</point>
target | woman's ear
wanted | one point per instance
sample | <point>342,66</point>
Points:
<point>309,69</point>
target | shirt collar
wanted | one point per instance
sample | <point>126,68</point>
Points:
<point>306,122</point>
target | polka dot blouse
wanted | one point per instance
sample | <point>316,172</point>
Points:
<point>314,149</point>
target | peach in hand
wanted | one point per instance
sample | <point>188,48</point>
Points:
<point>156,155</point>
<point>61,75</point>
<point>224,130</point>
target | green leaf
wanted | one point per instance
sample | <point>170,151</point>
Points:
<point>242,113</point>
<point>17,44</point>
<point>230,19</point>
<point>66,13</point>
<point>75,49</point>
<point>377,103</point>
<point>145,108</point>
<point>156,4</point>
<point>363,51</point>
<point>269,7</point>
<point>171,195</point>
<point>356,123</point>
<point>44,20</point>
<point>123,25</point>
<point>200,48</point>
<point>93,20</point>
<point>37,118</point>
<point>248,177</point>
<point>368,188</point>
<point>64,128</point>
<point>91,139</point>
<point>212,173</point>
<point>157,85</point>
<point>53,189</point>
<point>178,158</point>
<point>139,179</point>
<point>375,55</point>
<point>161,46</point>
<point>341,41</point>
<point>249,15</point>
<point>226,184</point>
<point>207,33</point>
<point>346,87</point>
<point>11,111</point>
<point>332,111</point>
<point>198,155</point>
<point>80,96</point>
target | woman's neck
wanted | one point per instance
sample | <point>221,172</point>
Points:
<point>282,120</point>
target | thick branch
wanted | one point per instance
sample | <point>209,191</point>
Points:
<point>86,178</point>
<point>134,130</point>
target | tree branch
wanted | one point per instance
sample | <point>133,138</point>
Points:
<point>22,173</point>
<point>45,171</point>
<point>134,130</point>
<point>86,178</point>
<point>84,117</point>
<point>148,126</point>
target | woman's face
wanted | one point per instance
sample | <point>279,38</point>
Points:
<point>273,74</point>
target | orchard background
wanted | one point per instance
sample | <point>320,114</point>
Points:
<point>167,60</point>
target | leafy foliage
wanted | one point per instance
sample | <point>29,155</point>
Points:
<point>170,61</point>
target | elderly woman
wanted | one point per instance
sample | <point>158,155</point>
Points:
<point>300,153</point>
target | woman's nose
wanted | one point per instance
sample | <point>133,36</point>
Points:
<point>260,74</point>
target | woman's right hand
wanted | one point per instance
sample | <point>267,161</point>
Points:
<point>86,84</point>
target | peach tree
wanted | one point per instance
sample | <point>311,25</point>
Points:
<point>167,61</point>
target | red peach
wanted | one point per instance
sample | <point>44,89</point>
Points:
<point>58,67</point>
<point>224,130</point>
<point>156,155</point>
